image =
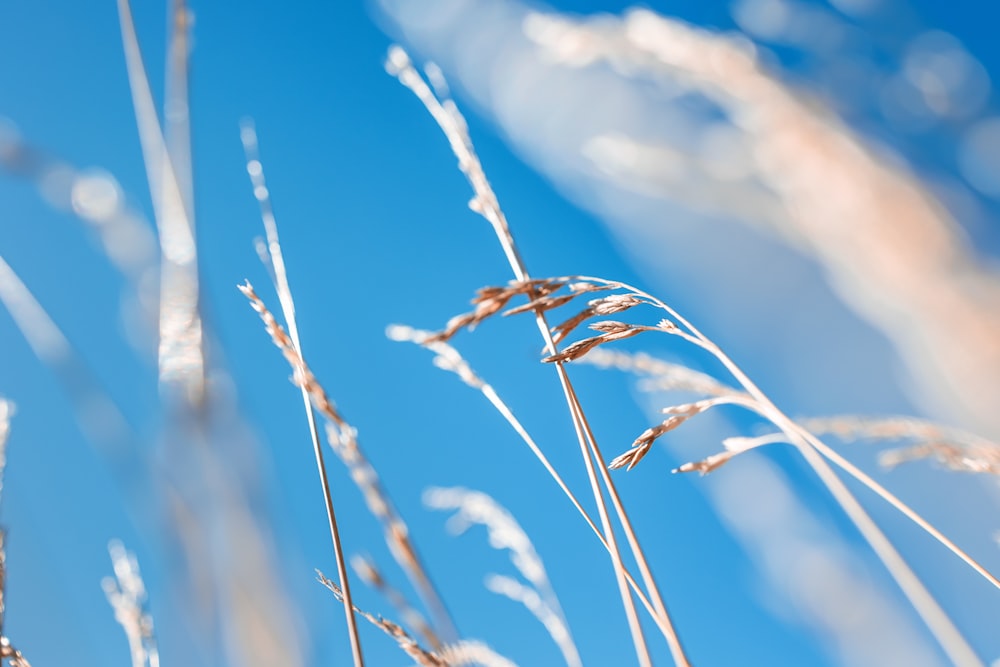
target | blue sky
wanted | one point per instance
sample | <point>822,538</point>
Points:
<point>375,230</point>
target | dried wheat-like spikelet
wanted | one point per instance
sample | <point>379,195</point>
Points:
<point>678,415</point>
<point>302,376</point>
<point>732,447</point>
<point>126,593</point>
<point>607,305</point>
<point>543,298</point>
<point>491,300</point>
<point>504,532</point>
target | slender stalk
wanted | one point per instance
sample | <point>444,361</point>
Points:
<point>642,651</point>
<point>338,552</point>
<point>670,633</point>
<point>181,360</point>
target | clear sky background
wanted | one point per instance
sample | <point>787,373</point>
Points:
<point>375,230</point>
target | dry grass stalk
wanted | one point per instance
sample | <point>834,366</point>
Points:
<point>367,571</point>
<point>484,202</point>
<point>824,450</point>
<point>475,507</point>
<point>181,359</point>
<point>126,593</point>
<point>608,305</point>
<point>408,644</point>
